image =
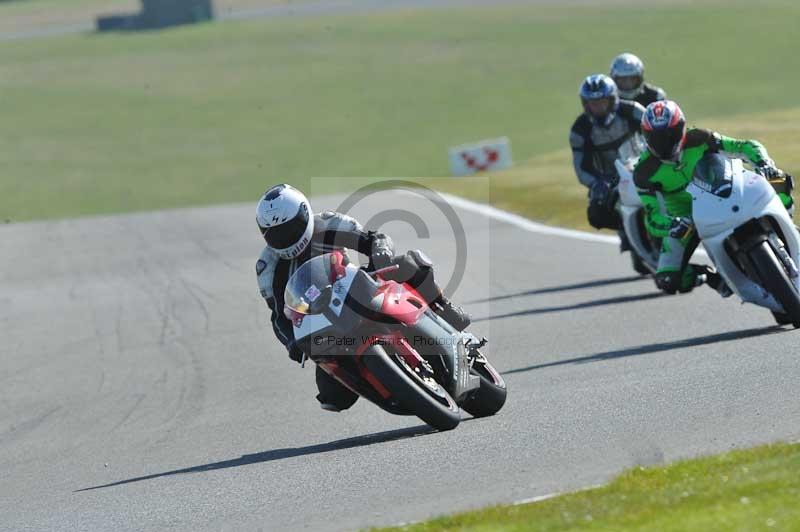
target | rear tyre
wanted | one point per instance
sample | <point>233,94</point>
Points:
<point>491,396</point>
<point>638,264</point>
<point>425,399</point>
<point>781,318</point>
<point>776,281</point>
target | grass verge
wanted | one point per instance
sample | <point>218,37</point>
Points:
<point>215,113</point>
<point>545,187</point>
<point>747,490</point>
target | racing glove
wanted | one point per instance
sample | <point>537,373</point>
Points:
<point>295,353</point>
<point>768,169</point>
<point>599,191</point>
<point>681,227</point>
<point>381,258</point>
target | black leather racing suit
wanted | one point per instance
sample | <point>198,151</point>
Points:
<point>334,231</point>
<point>594,150</point>
<point>649,94</point>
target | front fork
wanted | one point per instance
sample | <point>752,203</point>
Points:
<point>752,234</point>
<point>453,350</point>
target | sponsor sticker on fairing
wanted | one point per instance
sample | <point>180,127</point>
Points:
<point>313,293</point>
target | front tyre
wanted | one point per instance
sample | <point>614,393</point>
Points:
<point>426,399</point>
<point>491,396</point>
<point>776,281</point>
<point>781,318</point>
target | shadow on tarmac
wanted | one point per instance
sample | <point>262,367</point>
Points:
<point>282,454</point>
<point>656,348</point>
<point>563,288</point>
<point>575,306</point>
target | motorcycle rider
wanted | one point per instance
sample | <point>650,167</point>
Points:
<point>605,124</point>
<point>627,71</point>
<point>661,176</point>
<point>294,234</point>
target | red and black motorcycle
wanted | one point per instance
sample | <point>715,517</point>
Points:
<point>379,338</point>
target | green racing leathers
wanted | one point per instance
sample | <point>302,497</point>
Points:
<point>662,189</point>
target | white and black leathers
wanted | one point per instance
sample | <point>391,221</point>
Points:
<point>332,231</point>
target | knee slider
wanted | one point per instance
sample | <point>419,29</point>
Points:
<point>595,216</point>
<point>602,217</point>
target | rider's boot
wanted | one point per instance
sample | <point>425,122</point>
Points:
<point>452,314</point>
<point>333,396</point>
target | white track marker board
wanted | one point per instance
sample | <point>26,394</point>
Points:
<point>492,154</point>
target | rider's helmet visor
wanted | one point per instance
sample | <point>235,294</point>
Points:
<point>288,233</point>
<point>665,143</point>
<point>628,83</point>
<point>600,108</point>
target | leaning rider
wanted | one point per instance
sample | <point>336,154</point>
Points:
<point>294,234</point>
<point>605,124</point>
<point>662,174</point>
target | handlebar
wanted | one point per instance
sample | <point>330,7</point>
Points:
<point>382,271</point>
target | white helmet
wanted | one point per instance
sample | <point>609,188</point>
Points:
<point>284,216</point>
<point>627,71</point>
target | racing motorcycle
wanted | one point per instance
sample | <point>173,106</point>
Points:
<point>644,248</point>
<point>748,234</point>
<point>380,339</point>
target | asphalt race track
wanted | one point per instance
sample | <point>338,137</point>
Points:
<point>141,387</point>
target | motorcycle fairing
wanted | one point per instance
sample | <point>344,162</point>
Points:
<point>317,323</point>
<point>449,346</point>
<point>401,302</point>
<point>713,213</point>
<point>630,206</point>
<point>717,216</point>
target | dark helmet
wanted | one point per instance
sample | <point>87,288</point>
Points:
<point>600,98</point>
<point>664,129</point>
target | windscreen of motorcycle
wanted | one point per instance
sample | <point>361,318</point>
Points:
<point>630,150</point>
<point>714,174</point>
<point>308,284</point>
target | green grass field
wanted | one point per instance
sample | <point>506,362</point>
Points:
<point>756,489</point>
<point>215,113</point>
<point>544,187</point>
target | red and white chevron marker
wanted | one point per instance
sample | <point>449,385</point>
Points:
<point>493,154</point>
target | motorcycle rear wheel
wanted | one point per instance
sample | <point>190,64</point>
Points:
<point>638,264</point>
<point>433,406</point>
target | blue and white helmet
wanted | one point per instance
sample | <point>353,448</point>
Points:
<point>285,219</point>
<point>627,71</point>
<point>600,98</point>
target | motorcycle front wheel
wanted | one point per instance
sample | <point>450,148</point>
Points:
<point>423,397</point>
<point>491,396</point>
<point>777,282</point>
